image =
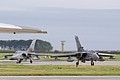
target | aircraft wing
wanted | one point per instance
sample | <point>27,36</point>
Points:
<point>106,55</point>
<point>74,54</point>
<point>64,55</point>
<point>8,28</point>
<point>5,56</point>
<point>39,54</point>
<point>58,55</point>
<point>53,55</point>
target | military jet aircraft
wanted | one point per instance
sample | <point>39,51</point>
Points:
<point>24,55</point>
<point>84,55</point>
<point>8,28</point>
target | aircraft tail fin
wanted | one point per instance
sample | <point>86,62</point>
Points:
<point>32,46</point>
<point>79,47</point>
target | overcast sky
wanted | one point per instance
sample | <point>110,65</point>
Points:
<point>63,19</point>
<point>77,4</point>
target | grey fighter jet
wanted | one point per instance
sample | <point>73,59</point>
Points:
<point>84,55</point>
<point>24,55</point>
<point>8,28</point>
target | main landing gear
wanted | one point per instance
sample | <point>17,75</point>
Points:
<point>19,61</point>
<point>77,63</point>
<point>30,61</point>
<point>92,63</point>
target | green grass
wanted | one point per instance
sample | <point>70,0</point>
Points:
<point>2,54</point>
<point>117,57</point>
<point>51,70</point>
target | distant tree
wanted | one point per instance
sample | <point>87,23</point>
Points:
<point>24,44</point>
<point>43,46</point>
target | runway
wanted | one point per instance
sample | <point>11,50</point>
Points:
<point>60,78</point>
<point>46,62</point>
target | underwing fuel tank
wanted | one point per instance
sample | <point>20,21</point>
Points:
<point>69,59</point>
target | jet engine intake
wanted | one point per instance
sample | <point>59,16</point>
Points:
<point>24,55</point>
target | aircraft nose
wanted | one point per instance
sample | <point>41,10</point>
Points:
<point>95,57</point>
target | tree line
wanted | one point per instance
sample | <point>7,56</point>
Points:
<point>41,46</point>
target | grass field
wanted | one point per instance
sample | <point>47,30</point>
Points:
<point>52,70</point>
<point>22,70</point>
<point>117,57</point>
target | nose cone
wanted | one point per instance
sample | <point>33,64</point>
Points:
<point>95,56</point>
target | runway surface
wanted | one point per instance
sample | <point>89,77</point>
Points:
<point>60,78</point>
<point>110,63</point>
<point>39,62</point>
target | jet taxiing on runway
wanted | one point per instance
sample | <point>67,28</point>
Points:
<point>24,55</point>
<point>8,28</point>
<point>84,55</point>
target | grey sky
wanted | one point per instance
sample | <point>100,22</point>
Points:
<point>97,29</point>
<point>77,4</point>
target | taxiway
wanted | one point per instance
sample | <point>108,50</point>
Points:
<point>46,62</point>
<point>60,78</point>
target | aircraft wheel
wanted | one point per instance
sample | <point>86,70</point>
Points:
<point>77,63</point>
<point>19,61</point>
<point>30,61</point>
<point>92,63</point>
